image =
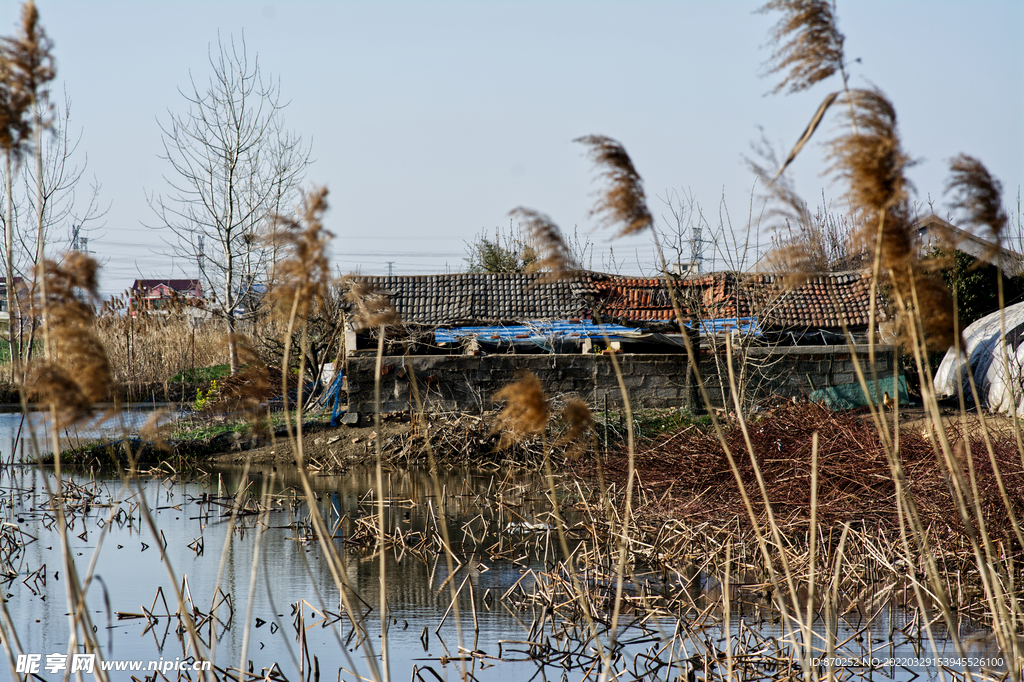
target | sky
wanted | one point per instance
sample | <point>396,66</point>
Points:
<point>429,121</point>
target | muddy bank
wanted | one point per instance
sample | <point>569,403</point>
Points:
<point>451,439</point>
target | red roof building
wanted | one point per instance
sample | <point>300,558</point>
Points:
<point>158,294</point>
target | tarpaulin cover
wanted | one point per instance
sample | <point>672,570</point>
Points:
<point>584,329</point>
<point>851,396</point>
<point>996,362</point>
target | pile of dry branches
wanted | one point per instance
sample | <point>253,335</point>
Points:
<point>687,474</point>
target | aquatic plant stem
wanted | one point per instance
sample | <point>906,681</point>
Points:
<point>380,508</point>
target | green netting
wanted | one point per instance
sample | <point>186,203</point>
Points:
<point>850,396</point>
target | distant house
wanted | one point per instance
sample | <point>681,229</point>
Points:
<point>935,233</point>
<point>160,294</point>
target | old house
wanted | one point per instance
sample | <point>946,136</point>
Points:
<point>159,295</point>
<point>469,334</point>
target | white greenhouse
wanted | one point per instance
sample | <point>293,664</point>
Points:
<point>996,362</point>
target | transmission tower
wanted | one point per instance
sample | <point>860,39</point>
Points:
<point>697,249</point>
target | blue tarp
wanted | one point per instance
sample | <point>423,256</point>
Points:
<point>543,333</point>
<point>540,331</point>
<point>746,325</point>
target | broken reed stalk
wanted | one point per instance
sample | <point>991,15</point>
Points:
<point>261,525</point>
<point>970,511</point>
<point>871,160</point>
<point>379,472</point>
<point>302,278</point>
<point>449,554</point>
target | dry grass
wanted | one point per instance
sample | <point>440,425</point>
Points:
<point>154,347</point>
<point>686,474</point>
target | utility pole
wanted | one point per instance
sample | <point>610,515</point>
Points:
<point>390,263</point>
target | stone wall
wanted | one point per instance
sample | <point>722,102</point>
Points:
<point>466,383</point>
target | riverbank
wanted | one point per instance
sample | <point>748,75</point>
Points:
<point>682,470</point>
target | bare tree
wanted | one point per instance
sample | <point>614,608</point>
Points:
<point>234,168</point>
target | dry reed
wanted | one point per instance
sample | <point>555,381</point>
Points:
<point>977,195</point>
<point>303,276</point>
<point>30,56</point>
<point>526,412</point>
<point>623,202</point>
<point>579,436</point>
<point>371,308</point>
<point>808,47</point>
<point>555,260</point>
<point>75,372</point>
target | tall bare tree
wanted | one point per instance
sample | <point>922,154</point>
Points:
<point>234,167</point>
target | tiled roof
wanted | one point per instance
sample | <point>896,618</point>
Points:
<point>823,301</point>
<point>469,299</point>
<point>631,298</point>
<point>481,299</point>
<point>818,303</point>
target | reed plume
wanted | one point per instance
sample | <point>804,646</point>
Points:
<point>977,195</point>
<point>31,55</point>
<point>14,127</point>
<point>302,278</point>
<point>526,410</point>
<point>808,47</point>
<point>76,372</point>
<point>371,307</point>
<point>868,156</point>
<point>243,393</point>
<point>555,261</point>
<point>933,309</point>
<point>579,434</point>
<point>801,251</point>
<point>624,202</point>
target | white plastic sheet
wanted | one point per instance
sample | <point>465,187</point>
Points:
<point>997,362</point>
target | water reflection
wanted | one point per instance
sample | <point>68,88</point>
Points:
<point>497,523</point>
<point>23,437</point>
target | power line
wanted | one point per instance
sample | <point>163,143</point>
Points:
<point>404,254</point>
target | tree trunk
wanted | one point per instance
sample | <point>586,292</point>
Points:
<point>232,342</point>
<point>37,130</point>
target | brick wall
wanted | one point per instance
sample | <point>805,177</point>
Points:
<point>466,383</point>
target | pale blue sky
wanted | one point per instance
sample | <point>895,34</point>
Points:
<point>429,121</point>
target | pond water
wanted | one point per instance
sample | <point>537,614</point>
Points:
<point>268,584</point>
